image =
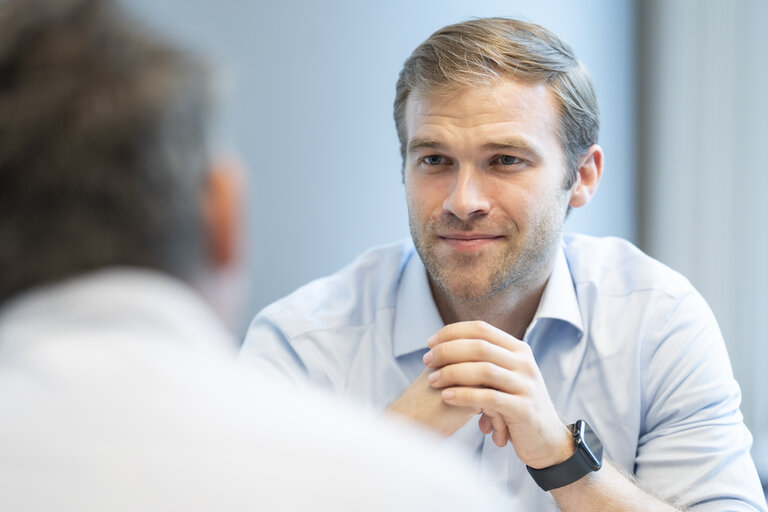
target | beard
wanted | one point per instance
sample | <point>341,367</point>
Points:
<point>517,259</point>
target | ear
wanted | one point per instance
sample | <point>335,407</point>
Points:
<point>588,177</point>
<point>222,211</point>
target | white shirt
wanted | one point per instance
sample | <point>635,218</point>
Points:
<point>621,340</point>
<point>117,392</point>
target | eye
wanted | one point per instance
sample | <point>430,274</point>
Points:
<point>433,160</point>
<point>508,160</point>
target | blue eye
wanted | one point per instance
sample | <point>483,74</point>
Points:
<point>433,160</point>
<point>508,160</point>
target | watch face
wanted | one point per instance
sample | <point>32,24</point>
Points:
<point>590,445</point>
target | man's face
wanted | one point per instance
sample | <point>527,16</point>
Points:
<point>484,173</point>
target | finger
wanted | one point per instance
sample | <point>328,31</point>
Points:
<point>491,401</point>
<point>466,350</point>
<point>500,433</point>
<point>476,330</point>
<point>481,374</point>
<point>500,437</point>
<point>485,424</point>
<point>496,426</point>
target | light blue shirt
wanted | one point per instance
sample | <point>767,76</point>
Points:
<point>621,340</point>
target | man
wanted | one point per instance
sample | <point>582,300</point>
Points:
<point>495,316</point>
<point>117,389</point>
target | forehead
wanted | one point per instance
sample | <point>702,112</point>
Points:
<point>501,108</point>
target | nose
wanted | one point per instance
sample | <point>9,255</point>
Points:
<point>467,197</point>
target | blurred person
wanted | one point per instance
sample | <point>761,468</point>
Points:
<point>117,389</point>
<point>583,374</point>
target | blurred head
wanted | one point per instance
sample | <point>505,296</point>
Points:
<point>482,51</point>
<point>103,146</point>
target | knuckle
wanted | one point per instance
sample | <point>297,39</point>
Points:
<point>450,352</point>
<point>488,372</point>
<point>493,398</point>
<point>438,353</point>
<point>525,387</point>
<point>477,328</point>
<point>530,370</point>
<point>484,327</point>
<point>482,349</point>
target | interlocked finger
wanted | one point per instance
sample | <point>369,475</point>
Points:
<point>471,350</point>
<point>480,374</point>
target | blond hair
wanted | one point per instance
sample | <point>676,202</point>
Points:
<point>480,51</point>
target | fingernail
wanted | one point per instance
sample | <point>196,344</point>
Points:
<point>434,376</point>
<point>431,341</point>
<point>427,358</point>
<point>448,394</point>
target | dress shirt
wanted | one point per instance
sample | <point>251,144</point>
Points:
<point>118,392</point>
<point>621,340</point>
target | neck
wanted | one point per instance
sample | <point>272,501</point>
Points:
<point>510,310</point>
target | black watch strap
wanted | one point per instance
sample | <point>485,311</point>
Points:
<point>587,457</point>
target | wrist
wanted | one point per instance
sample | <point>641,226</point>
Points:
<point>562,450</point>
<point>587,457</point>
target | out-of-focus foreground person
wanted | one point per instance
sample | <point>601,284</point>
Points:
<point>116,382</point>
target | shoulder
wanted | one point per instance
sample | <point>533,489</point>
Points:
<point>613,266</point>
<point>351,296</point>
<point>627,295</point>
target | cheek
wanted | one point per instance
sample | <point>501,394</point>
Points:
<point>516,202</point>
<point>527,205</point>
<point>423,199</point>
<point>547,207</point>
<point>410,196</point>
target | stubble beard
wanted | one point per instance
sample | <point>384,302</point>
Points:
<point>474,278</point>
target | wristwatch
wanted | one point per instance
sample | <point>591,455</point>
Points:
<point>588,457</point>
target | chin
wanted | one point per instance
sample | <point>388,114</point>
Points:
<point>464,291</point>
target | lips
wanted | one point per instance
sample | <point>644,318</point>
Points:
<point>468,242</point>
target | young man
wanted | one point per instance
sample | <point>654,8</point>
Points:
<point>586,363</point>
<point>117,385</point>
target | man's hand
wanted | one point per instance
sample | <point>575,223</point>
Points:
<point>480,367</point>
<point>423,404</point>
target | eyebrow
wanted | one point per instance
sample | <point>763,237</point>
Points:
<point>514,144</point>
<point>419,144</point>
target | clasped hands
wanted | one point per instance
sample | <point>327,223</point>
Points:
<point>472,368</point>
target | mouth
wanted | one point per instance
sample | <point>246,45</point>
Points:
<point>468,242</point>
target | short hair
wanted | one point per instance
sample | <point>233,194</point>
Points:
<point>103,144</point>
<point>480,51</point>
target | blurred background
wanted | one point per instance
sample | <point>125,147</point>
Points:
<point>308,107</point>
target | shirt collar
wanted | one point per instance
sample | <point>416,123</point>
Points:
<point>117,300</point>
<point>558,302</point>
<point>417,317</point>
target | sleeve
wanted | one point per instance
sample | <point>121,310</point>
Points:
<point>694,448</point>
<point>267,351</point>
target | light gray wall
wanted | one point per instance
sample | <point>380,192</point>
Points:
<point>705,118</point>
<point>310,112</point>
